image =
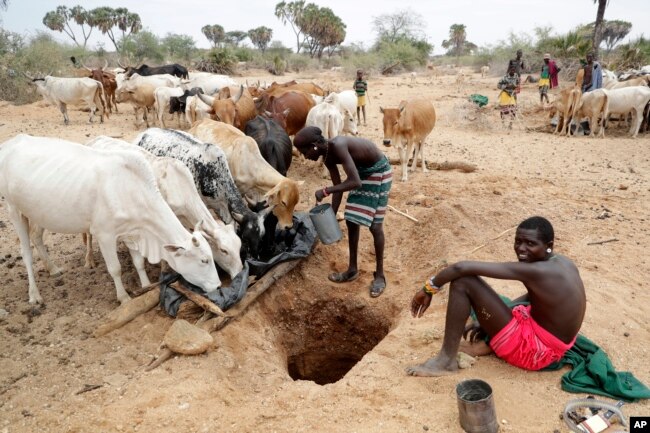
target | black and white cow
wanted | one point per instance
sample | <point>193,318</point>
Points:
<point>209,167</point>
<point>273,141</point>
<point>177,104</point>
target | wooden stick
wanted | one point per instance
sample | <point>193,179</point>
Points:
<point>128,311</point>
<point>493,239</point>
<point>87,388</point>
<point>145,289</point>
<point>603,242</point>
<point>402,213</point>
<point>199,300</point>
<point>252,294</point>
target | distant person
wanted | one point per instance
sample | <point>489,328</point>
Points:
<point>548,78</point>
<point>361,88</point>
<point>369,179</point>
<point>507,99</point>
<point>529,336</point>
<point>518,63</point>
<point>593,77</point>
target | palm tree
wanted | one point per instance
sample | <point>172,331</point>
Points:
<point>598,25</point>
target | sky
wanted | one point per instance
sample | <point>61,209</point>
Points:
<point>487,22</point>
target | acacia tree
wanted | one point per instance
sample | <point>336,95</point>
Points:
<point>322,29</point>
<point>235,37</point>
<point>403,24</point>
<point>292,13</point>
<point>106,19</point>
<point>60,20</point>
<point>214,33</point>
<point>179,46</point>
<point>598,25</point>
<point>260,37</point>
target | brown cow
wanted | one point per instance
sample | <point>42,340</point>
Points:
<point>255,178</point>
<point>108,83</point>
<point>279,89</point>
<point>233,110</point>
<point>564,106</point>
<point>408,125</point>
<point>289,109</point>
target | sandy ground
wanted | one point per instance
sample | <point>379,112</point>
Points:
<point>591,189</point>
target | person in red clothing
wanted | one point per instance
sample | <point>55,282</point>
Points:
<point>528,336</point>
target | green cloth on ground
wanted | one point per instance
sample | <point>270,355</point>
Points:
<point>479,100</point>
<point>592,372</point>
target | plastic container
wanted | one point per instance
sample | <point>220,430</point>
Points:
<point>324,220</point>
<point>476,407</point>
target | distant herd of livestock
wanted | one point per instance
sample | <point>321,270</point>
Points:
<point>627,95</point>
<point>158,193</point>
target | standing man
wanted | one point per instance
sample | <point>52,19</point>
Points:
<point>593,78</point>
<point>518,63</point>
<point>529,336</point>
<point>548,77</point>
<point>369,178</point>
<point>361,88</point>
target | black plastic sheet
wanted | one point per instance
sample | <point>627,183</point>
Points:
<point>289,245</point>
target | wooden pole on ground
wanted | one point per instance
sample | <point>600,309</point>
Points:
<point>253,292</point>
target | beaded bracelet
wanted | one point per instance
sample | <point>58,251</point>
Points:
<point>429,287</point>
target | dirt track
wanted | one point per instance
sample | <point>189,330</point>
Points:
<point>591,190</point>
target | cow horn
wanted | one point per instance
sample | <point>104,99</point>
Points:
<point>381,110</point>
<point>247,85</point>
<point>241,92</point>
<point>238,217</point>
<point>207,99</point>
<point>105,65</point>
<point>31,78</point>
<point>120,64</point>
<point>89,70</point>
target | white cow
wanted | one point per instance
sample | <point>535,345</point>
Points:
<point>626,100</point>
<point>332,119</point>
<point>66,187</point>
<point>485,70</point>
<point>158,80</point>
<point>161,97</point>
<point>177,187</point>
<point>62,91</point>
<point>195,109</point>
<point>345,100</point>
<point>209,83</point>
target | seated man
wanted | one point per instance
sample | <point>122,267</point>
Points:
<point>528,336</point>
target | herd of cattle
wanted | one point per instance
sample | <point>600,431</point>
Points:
<point>232,163</point>
<point>626,96</point>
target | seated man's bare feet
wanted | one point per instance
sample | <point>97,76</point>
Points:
<point>434,367</point>
<point>480,348</point>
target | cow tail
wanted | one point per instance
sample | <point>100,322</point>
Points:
<point>99,94</point>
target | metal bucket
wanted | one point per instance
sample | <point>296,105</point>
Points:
<point>476,407</point>
<point>324,220</point>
